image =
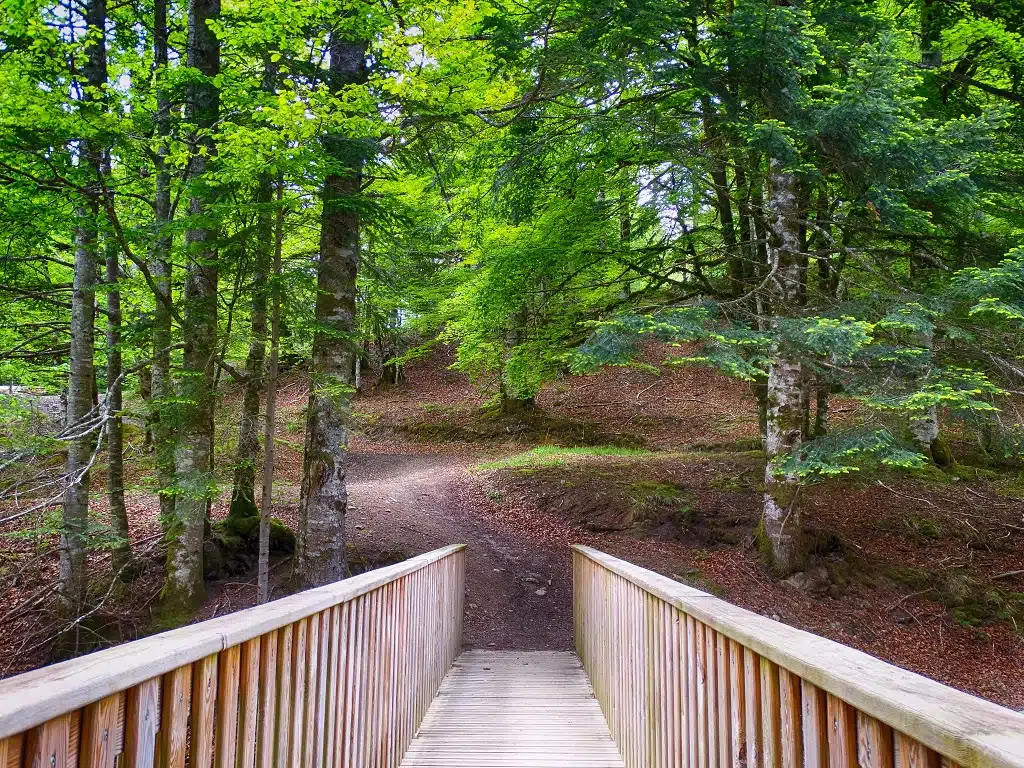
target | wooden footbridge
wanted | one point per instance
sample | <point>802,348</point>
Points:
<point>369,673</point>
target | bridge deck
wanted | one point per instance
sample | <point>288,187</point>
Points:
<point>514,709</point>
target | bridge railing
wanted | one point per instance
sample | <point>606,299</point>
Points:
<point>340,675</point>
<point>686,679</point>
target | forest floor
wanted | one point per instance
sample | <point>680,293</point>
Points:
<point>924,571</point>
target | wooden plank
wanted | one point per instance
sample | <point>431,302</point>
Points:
<point>142,720</point>
<point>312,669</point>
<point>100,739</point>
<point>874,743</point>
<point>711,695</point>
<point>11,750</point>
<point>790,710</point>
<point>248,703</point>
<point>228,684</point>
<point>285,696</point>
<point>842,735</point>
<point>172,738</point>
<point>514,710</point>
<point>32,698</point>
<point>54,744</point>
<point>771,721</point>
<point>322,694</point>
<point>204,703</point>
<point>299,677</point>
<point>737,704</point>
<point>970,731</point>
<point>911,753</point>
<point>724,701</point>
<point>266,722</point>
<point>752,709</point>
<point>692,715</point>
<point>815,726</point>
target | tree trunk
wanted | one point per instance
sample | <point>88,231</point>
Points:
<point>146,393</point>
<point>243,494</point>
<point>781,519</point>
<point>81,381</point>
<point>194,482</point>
<point>266,509</point>
<point>160,268</point>
<point>924,427</point>
<point>723,202</point>
<point>321,538</point>
<point>122,552</point>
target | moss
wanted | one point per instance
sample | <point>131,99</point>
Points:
<point>553,456</point>
<point>763,544</point>
<point>970,602</point>
<point>696,578</point>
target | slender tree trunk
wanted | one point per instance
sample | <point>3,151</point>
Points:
<point>81,381</point>
<point>122,552</point>
<point>321,538</point>
<point>146,393</point>
<point>194,481</point>
<point>266,509</point>
<point>160,268</point>
<point>785,413</point>
<point>723,202</point>
<point>243,494</point>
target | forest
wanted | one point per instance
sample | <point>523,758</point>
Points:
<point>816,206</point>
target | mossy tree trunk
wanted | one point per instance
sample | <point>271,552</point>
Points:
<point>323,501</point>
<point>184,588</point>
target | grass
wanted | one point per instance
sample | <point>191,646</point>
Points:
<point>554,456</point>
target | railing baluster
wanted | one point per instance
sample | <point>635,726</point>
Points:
<point>265,722</point>
<point>99,732</point>
<point>172,738</point>
<point>204,698</point>
<point>226,714</point>
<point>842,735</point>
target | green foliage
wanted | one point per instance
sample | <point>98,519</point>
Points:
<point>844,451</point>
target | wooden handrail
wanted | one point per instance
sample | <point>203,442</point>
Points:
<point>687,679</point>
<point>341,671</point>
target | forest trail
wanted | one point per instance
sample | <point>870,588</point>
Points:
<point>518,588</point>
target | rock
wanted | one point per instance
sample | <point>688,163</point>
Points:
<point>814,581</point>
<point>531,580</point>
<point>360,527</point>
<point>541,592</point>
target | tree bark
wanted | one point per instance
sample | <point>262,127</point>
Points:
<point>781,518</point>
<point>266,508</point>
<point>122,552</point>
<point>160,267</point>
<point>243,494</point>
<point>924,427</point>
<point>72,576</point>
<point>194,481</point>
<point>321,538</point>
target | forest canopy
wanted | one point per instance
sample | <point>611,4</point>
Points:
<point>821,198</point>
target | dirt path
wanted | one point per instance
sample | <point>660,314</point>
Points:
<point>518,590</point>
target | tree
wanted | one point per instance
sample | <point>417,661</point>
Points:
<point>321,537</point>
<point>194,447</point>
<point>81,384</point>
